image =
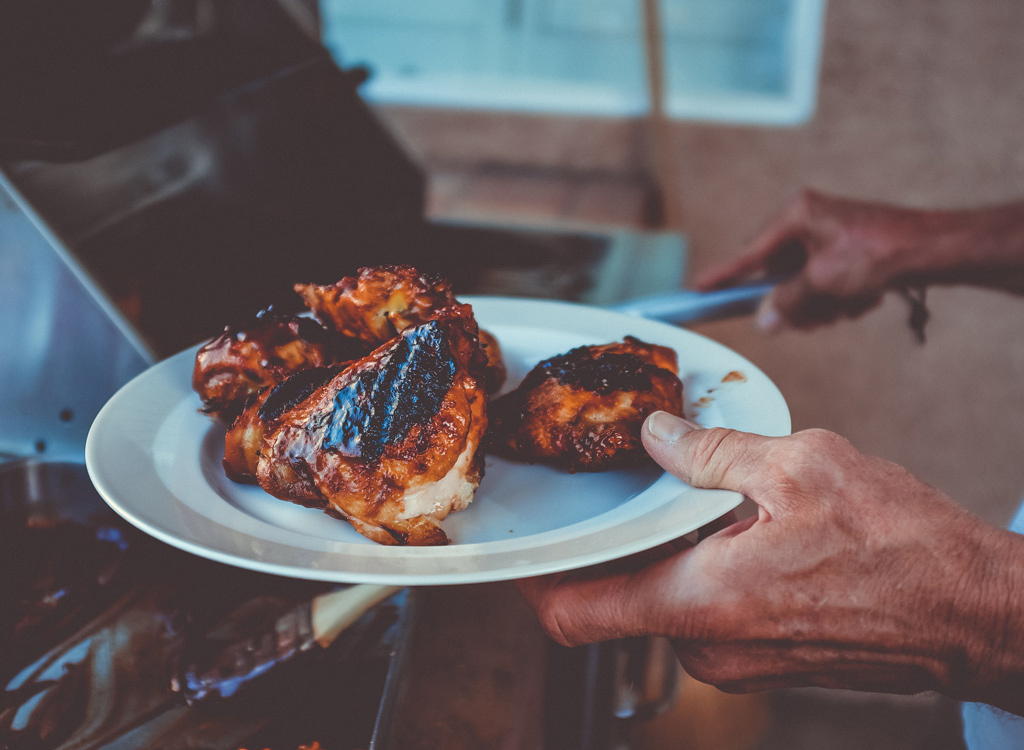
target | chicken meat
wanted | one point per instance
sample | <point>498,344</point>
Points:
<point>583,409</point>
<point>392,442</point>
<point>244,438</point>
<point>380,302</point>
<point>245,359</point>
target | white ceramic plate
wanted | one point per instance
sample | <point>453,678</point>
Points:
<point>157,461</point>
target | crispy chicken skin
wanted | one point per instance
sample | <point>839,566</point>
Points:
<point>244,360</point>
<point>583,409</point>
<point>379,302</point>
<point>392,442</point>
<point>244,439</point>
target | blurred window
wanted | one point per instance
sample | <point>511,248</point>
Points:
<point>753,61</point>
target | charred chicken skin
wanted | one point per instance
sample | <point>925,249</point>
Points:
<point>583,409</point>
<point>244,439</point>
<point>380,302</point>
<point>246,359</point>
<point>391,443</point>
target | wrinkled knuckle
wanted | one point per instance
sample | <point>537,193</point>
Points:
<point>710,454</point>
<point>818,442</point>
<point>824,275</point>
<point>782,474</point>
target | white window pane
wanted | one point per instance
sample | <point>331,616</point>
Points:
<point>737,60</point>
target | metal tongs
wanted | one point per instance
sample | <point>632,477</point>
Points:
<point>687,306</point>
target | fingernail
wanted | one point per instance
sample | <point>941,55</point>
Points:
<point>767,319</point>
<point>669,428</point>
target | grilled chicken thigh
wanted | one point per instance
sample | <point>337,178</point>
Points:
<point>244,439</point>
<point>378,303</point>
<point>382,301</point>
<point>584,409</point>
<point>392,442</point>
<point>246,359</point>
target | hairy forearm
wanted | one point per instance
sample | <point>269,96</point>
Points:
<point>981,246</point>
<point>988,630</point>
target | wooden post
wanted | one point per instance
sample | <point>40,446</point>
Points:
<point>659,127</point>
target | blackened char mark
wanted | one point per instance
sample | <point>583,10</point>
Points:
<point>292,391</point>
<point>607,372</point>
<point>278,328</point>
<point>381,405</point>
